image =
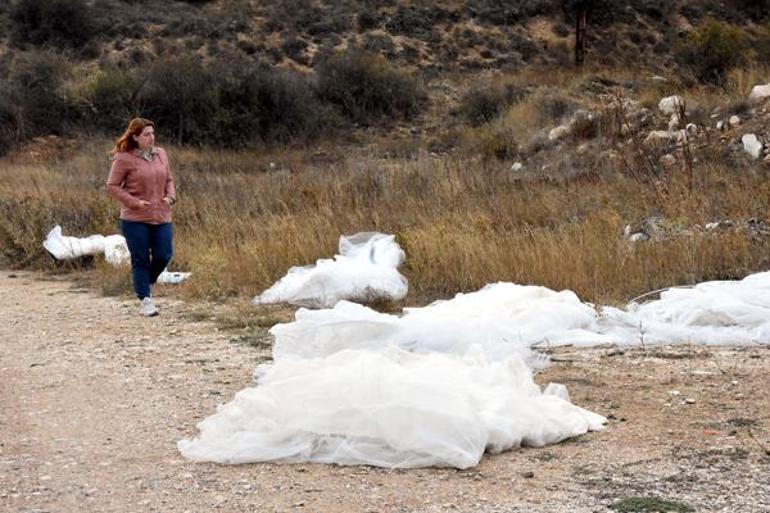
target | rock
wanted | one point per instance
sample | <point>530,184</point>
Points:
<point>691,128</point>
<point>517,166</point>
<point>528,474</point>
<point>734,121</point>
<point>752,145</point>
<point>671,105</point>
<point>668,161</point>
<point>583,149</point>
<point>759,93</point>
<point>673,123</point>
<point>720,125</point>
<point>638,237</point>
<point>659,137</point>
<point>657,79</point>
<point>558,133</point>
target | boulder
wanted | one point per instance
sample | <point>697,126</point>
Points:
<point>558,133</point>
<point>752,145</point>
<point>671,105</point>
<point>760,93</point>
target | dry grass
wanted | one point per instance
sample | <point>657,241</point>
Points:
<point>462,223</point>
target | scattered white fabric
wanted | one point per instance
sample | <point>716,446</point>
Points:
<point>113,247</point>
<point>388,408</point>
<point>365,270</point>
<point>63,247</point>
<point>713,312</point>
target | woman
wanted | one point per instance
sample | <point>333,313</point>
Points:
<point>140,179</point>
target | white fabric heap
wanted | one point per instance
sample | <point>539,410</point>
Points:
<point>713,312</point>
<point>113,247</point>
<point>502,318</point>
<point>388,408</point>
<point>365,270</point>
<point>63,247</point>
<point>437,387</point>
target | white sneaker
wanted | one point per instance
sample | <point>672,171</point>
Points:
<point>147,309</point>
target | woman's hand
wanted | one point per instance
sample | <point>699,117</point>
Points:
<point>143,203</point>
<point>168,201</point>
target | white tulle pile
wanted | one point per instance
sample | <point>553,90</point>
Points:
<point>366,269</point>
<point>113,247</point>
<point>388,408</point>
<point>713,312</point>
<point>63,247</point>
<point>437,387</point>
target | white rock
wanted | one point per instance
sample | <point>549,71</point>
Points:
<point>720,125</point>
<point>752,145</point>
<point>691,127</point>
<point>517,166</point>
<point>558,133</point>
<point>759,93</point>
<point>673,123</point>
<point>671,105</point>
<point>659,137</point>
<point>638,237</point>
<point>734,121</point>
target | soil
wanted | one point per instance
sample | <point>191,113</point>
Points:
<point>93,399</point>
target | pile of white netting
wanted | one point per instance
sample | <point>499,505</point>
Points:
<point>113,247</point>
<point>440,385</point>
<point>366,269</point>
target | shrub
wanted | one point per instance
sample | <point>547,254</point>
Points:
<point>65,23</point>
<point>482,105</point>
<point>365,88</point>
<point>414,21</point>
<point>270,106</point>
<point>710,51</point>
<point>109,97</point>
<point>37,79</point>
<point>8,118</point>
<point>178,95</point>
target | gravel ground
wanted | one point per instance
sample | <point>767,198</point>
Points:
<point>94,398</point>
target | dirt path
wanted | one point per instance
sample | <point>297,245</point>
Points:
<point>93,400</point>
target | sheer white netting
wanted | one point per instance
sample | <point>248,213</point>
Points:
<point>366,269</point>
<point>388,408</point>
<point>436,387</point>
<point>113,247</point>
<point>713,312</point>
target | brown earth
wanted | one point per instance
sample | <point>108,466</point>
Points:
<point>94,398</point>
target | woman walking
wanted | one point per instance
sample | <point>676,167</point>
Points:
<point>140,179</point>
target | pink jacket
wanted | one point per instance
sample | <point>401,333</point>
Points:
<point>132,178</point>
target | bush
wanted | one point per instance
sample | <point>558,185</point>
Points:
<point>270,106</point>
<point>482,105</point>
<point>711,50</point>
<point>8,118</point>
<point>66,23</point>
<point>366,89</point>
<point>178,95</point>
<point>37,80</point>
<point>109,98</point>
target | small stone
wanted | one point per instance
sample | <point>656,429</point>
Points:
<point>689,400</point>
<point>528,474</point>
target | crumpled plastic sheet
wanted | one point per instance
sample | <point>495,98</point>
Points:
<point>113,247</point>
<point>366,269</point>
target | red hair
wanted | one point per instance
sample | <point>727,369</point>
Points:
<point>126,141</point>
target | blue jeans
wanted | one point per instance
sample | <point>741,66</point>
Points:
<point>151,248</point>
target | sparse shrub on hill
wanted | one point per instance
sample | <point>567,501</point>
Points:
<point>179,96</point>
<point>416,21</point>
<point>37,80</point>
<point>482,105</point>
<point>711,50</point>
<point>269,106</point>
<point>67,23</point>
<point>757,10</point>
<point>109,98</point>
<point>366,88</point>
<point>8,118</point>
<point>504,12</point>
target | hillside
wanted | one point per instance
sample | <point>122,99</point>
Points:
<point>270,71</point>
